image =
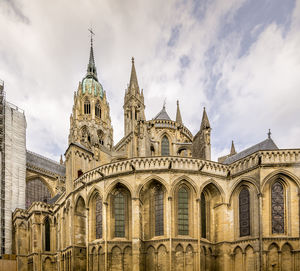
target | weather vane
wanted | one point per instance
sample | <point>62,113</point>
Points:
<point>92,33</point>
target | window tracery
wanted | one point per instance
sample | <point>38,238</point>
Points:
<point>165,146</point>
<point>36,190</point>
<point>98,110</point>
<point>183,211</point>
<point>244,212</point>
<point>277,200</point>
<point>47,234</point>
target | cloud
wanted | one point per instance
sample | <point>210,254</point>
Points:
<point>237,58</point>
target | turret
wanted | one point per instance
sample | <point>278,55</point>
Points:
<point>201,142</point>
<point>134,108</point>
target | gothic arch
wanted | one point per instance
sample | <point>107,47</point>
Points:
<point>114,184</point>
<point>91,194</point>
<point>78,196</point>
<point>45,182</point>
<point>280,173</point>
<point>188,181</point>
<point>213,182</point>
<point>148,181</point>
<point>248,181</point>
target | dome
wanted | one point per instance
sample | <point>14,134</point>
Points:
<point>91,86</point>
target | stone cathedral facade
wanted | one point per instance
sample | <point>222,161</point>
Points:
<point>155,200</point>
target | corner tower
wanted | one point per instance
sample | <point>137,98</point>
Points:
<point>90,122</point>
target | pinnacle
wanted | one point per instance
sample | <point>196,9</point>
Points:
<point>205,122</point>
<point>133,83</point>
<point>178,115</point>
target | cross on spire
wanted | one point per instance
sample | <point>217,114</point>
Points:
<point>91,69</point>
<point>92,34</point>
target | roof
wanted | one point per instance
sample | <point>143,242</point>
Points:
<point>54,199</point>
<point>162,115</point>
<point>267,144</point>
<point>44,163</point>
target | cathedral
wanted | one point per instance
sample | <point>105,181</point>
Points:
<point>155,200</point>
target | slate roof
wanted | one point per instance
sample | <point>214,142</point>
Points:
<point>162,115</point>
<point>44,163</point>
<point>267,144</point>
<point>54,199</point>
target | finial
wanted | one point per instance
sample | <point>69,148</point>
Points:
<point>132,60</point>
<point>164,105</point>
<point>269,133</point>
<point>177,103</point>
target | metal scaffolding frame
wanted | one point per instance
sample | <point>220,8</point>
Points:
<point>2,158</point>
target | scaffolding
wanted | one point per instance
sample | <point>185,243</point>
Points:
<point>2,163</point>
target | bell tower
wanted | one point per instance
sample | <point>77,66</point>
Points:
<point>90,122</point>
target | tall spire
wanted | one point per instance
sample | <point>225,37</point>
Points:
<point>205,122</point>
<point>91,68</point>
<point>133,84</point>
<point>232,150</point>
<point>178,115</point>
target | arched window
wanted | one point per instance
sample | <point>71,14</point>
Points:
<point>47,234</point>
<point>244,212</point>
<point>183,211</point>
<point>159,211</point>
<point>98,211</point>
<point>203,216</point>
<point>36,190</point>
<point>277,195</point>
<point>98,110</point>
<point>87,107</point>
<point>165,148</point>
<point>119,206</point>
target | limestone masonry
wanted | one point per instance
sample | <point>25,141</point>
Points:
<point>154,200</point>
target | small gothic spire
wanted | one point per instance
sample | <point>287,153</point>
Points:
<point>205,122</point>
<point>133,83</point>
<point>178,115</point>
<point>232,150</point>
<point>269,134</point>
<point>91,68</point>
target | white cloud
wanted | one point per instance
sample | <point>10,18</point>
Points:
<point>43,56</point>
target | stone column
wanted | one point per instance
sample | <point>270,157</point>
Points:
<point>169,228</point>
<point>136,234</point>
<point>105,233</point>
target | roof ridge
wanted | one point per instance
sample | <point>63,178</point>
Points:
<point>44,157</point>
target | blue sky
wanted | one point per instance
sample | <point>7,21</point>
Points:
<point>239,59</point>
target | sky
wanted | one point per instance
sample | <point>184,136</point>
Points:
<point>240,59</point>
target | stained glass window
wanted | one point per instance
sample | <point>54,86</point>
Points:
<point>47,234</point>
<point>165,148</point>
<point>119,204</point>
<point>98,210</point>
<point>159,211</point>
<point>183,211</point>
<point>244,212</point>
<point>203,216</point>
<point>36,190</point>
<point>277,195</point>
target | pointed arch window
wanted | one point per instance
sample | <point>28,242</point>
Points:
<point>165,146</point>
<point>119,212</point>
<point>277,199</point>
<point>47,234</point>
<point>159,211</point>
<point>203,216</point>
<point>244,212</point>
<point>98,211</point>
<point>98,110</point>
<point>183,211</point>
<point>87,107</point>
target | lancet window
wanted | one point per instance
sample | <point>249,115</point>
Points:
<point>98,110</point>
<point>119,210</point>
<point>47,234</point>
<point>183,211</point>
<point>159,211</point>
<point>203,216</point>
<point>98,210</point>
<point>165,146</point>
<point>87,107</point>
<point>277,198</point>
<point>244,212</point>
